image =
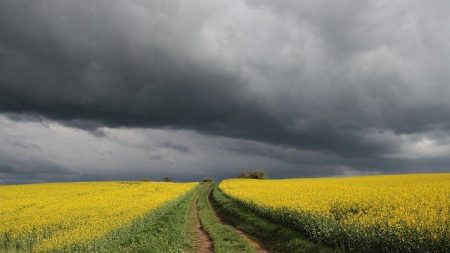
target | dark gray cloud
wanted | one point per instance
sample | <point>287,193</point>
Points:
<point>352,82</point>
<point>179,147</point>
<point>35,151</point>
<point>68,153</point>
<point>13,170</point>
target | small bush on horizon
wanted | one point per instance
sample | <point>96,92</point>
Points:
<point>254,174</point>
<point>167,179</point>
<point>207,180</point>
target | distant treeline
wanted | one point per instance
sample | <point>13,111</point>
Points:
<point>254,174</point>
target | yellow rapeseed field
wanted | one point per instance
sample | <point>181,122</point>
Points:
<point>61,214</point>
<point>397,206</point>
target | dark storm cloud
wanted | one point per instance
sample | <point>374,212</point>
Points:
<point>20,171</point>
<point>316,75</point>
<point>178,147</point>
<point>42,151</point>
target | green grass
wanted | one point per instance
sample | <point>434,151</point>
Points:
<point>225,238</point>
<point>275,237</point>
<point>170,228</point>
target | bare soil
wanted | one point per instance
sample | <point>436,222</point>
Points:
<point>259,248</point>
<point>205,242</point>
<point>252,241</point>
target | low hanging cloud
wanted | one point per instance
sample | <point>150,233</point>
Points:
<point>40,151</point>
<point>353,81</point>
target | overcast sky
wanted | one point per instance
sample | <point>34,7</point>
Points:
<point>123,89</point>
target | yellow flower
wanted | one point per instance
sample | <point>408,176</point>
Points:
<point>62,214</point>
<point>398,203</point>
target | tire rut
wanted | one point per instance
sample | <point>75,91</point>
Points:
<point>205,242</point>
<point>252,241</point>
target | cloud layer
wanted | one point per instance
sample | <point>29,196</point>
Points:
<point>363,83</point>
<point>37,150</point>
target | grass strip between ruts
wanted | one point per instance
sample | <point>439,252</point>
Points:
<point>225,238</point>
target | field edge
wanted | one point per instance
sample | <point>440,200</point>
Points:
<point>273,236</point>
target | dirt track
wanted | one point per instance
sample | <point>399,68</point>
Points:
<point>253,242</point>
<point>205,242</point>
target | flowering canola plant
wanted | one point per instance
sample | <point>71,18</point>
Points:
<point>57,215</point>
<point>389,212</point>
